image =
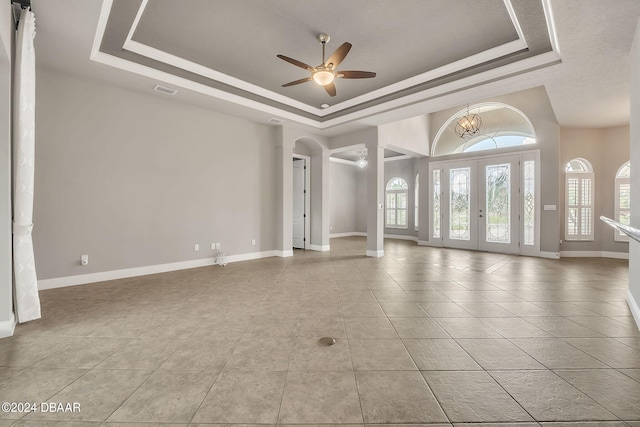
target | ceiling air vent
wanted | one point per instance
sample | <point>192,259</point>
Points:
<point>276,121</point>
<point>165,89</point>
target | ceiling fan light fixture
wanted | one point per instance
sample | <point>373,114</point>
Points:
<point>325,73</point>
<point>362,161</point>
<point>323,77</point>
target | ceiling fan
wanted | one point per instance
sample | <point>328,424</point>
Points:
<point>325,73</point>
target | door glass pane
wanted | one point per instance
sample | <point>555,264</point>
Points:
<point>436,204</point>
<point>498,203</point>
<point>459,211</point>
<point>529,202</point>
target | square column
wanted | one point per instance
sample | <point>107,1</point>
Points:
<point>375,200</point>
<point>284,183</point>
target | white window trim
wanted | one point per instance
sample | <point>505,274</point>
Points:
<point>618,182</point>
<point>580,176</point>
<point>415,203</point>
<point>396,209</point>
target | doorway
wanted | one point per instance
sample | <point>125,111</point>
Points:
<point>301,202</point>
<point>486,203</point>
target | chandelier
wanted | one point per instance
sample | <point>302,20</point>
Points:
<point>468,126</point>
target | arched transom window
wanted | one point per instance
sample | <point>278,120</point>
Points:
<point>502,126</point>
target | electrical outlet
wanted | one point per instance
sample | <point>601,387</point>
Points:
<point>196,247</point>
<point>84,259</point>
<point>253,242</point>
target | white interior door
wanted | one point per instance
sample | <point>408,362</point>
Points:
<point>298,203</point>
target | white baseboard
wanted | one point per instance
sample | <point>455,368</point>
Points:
<point>7,327</point>
<point>348,234</point>
<point>400,237</point>
<point>633,306</point>
<point>82,279</point>
<point>281,254</point>
<point>594,254</point>
<point>551,255</point>
<point>320,248</point>
<point>364,234</point>
<point>375,254</point>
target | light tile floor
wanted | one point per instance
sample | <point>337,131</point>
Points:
<point>424,336</point>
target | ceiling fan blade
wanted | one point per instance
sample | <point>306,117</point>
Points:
<point>297,82</point>
<point>356,74</point>
<point>296,62</point>
<point>331,89</point>
<point>338,56</point>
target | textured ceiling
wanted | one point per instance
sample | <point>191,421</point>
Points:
<point>231,46</point>
<point>587,85</point>
<point>397,40</point>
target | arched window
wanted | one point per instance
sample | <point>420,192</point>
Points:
<point>415,201</point>
<point>396,197</point>
<point>502,126</point>
<point>622,200</point>
<point>579,200</point>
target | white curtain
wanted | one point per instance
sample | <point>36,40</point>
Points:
<point>26,283</point>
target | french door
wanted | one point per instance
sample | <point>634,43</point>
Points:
<point>486,204</point>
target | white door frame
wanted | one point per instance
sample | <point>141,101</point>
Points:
<point>529,155</point>
<point>307,198</point>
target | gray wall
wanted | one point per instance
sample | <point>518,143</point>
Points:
<point>634,247</point>
<point>606,149</point>
<point>534,103</point>
<point>6,286</point>
<point>363,136</point>
<point>343,204</point>
<point>409,135</point>
<point>136,179</point>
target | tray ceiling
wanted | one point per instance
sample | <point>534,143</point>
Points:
<point>227,49</point>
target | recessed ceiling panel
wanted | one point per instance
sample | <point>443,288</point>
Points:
<point>397,40</point>
<point>227,49</point>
